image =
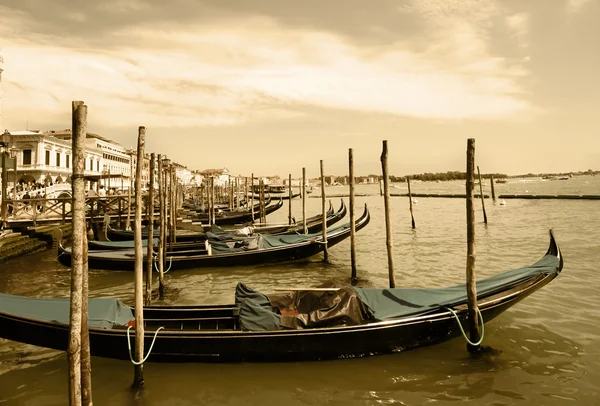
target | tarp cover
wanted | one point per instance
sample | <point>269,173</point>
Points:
<point>256,312</point>
<point>354,306</point>
<point>401,302</point>
<point>102,312</point>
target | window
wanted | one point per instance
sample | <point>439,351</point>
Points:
<point>97,166</point>
<point>68,161</point>
<point>47,157</point>
<point>26,157</point>
<point>58,159</point>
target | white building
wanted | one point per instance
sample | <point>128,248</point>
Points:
<point>46,160</point>
<point>221,176</point>
<point>116,159</point>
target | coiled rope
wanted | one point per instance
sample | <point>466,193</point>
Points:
<point>149,351</point>
<point>463,331</point>
<point>156,266</point>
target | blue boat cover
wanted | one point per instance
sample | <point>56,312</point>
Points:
<point>387,304</point>
<point>102,312</point>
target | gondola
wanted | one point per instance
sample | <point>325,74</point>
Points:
<point>261,327</point>
<point>314,224</point>
<point>241,217</point>
<point>253,250</point>
<point>116,234</point>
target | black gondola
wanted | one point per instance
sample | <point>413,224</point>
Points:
<point>416,317</point>
<point>230,218</point>
<point>241,217</point>
<point>253,250</point>
<point>314,224</point>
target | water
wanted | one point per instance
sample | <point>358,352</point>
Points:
<point>546,349</point>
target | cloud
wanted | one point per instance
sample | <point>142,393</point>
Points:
<point>240,69</point>
<point>574,6</point>
<point>518,26</point>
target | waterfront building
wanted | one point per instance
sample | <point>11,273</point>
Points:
<point>46,160</point>
<point>116,166</point>
<point>221,176</point>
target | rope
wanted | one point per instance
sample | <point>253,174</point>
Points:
<point>463,331</point>
<point>156,267</point>
<point>169,268</point>
<point>149,351</point>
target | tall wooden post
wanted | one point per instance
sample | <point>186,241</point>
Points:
<point>138,380</point>
<point>410,202</point>
<point>305,229</point>
<point>246,191</point>
<point>261,200</point>
<point>252,198</point>
<point>481,193</point>
<point>86,356</point>
<point>352,225</point>
<point>230,194</point>
<point>162,234</point>
<point>290,194</point>
<point>324,214</point>
<point>79,126</point>
<point>388,221</point>
<point>128,222</point>
<point>492,185</point>
<point>237,193</point>
<point>174,203</point>
<point>474,327</point>
<point>150,245</point>
<point>212,201</point>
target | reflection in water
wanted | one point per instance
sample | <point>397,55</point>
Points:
<point>545,348</point>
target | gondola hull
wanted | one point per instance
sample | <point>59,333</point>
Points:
<point>124,260</point>
<point>189,342</point>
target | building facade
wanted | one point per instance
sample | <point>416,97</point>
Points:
<point>45,160</point>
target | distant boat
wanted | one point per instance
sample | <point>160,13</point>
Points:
<point>501,181</point>
<point>415,201</point>
<point>503,202</point>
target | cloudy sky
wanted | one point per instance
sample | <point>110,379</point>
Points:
<point>270,86</point>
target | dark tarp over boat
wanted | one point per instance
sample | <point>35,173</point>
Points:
<point>245,251</point>
<point>263,327</point>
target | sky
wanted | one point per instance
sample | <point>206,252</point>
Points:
<point>271,86</point>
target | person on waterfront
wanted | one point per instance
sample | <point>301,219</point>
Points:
<point>102,192</point>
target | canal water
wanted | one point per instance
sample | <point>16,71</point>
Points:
<point>545,350</point>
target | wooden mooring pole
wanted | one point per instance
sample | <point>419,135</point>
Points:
<point>305,229</point>
<point>138,380</point>
<point>412,217</point>
<point>128,222</point>
<point>77,367</point>
<point>492,185</point>
<point>86,356</point>
<point>290,194</point>
<point>212,202</point>
<point>482,198</point>
<point>474,327</point>
<point>352,225</point>
<point>252,198</point>
<point>324,214</point>
<point>161,237</point>
<point>246,191</point>
<point>150,245</point>
<point>388,221</point>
